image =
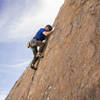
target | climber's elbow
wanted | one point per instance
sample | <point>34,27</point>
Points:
<point>46,33</point>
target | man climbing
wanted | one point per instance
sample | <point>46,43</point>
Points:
<point>39,40</point>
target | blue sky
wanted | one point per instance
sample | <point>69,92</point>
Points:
<point>19,21</point>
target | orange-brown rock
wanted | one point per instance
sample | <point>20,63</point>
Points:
<point>70,69</point>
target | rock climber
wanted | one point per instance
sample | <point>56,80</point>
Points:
<point>39,40</point>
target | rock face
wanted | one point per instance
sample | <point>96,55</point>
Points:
<point>70,69</point>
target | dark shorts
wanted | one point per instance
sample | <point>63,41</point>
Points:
<point>35,43</point>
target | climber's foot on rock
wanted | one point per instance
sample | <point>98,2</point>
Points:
<point>39,55</point>
<point>33,67</point>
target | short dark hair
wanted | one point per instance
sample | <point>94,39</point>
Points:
<point>49,27</point>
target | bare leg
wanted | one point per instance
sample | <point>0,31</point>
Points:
<point>35,58</point>
<point>34,51</point>
<point>41,48</point>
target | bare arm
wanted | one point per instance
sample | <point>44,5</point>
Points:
<point>48,33</point>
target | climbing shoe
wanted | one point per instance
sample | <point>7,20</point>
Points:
<point>38,55</point>
<point>33,67</point>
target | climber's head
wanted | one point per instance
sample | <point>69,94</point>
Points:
<point>48,27</point>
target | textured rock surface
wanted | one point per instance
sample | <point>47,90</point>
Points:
<point>70,69</point>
